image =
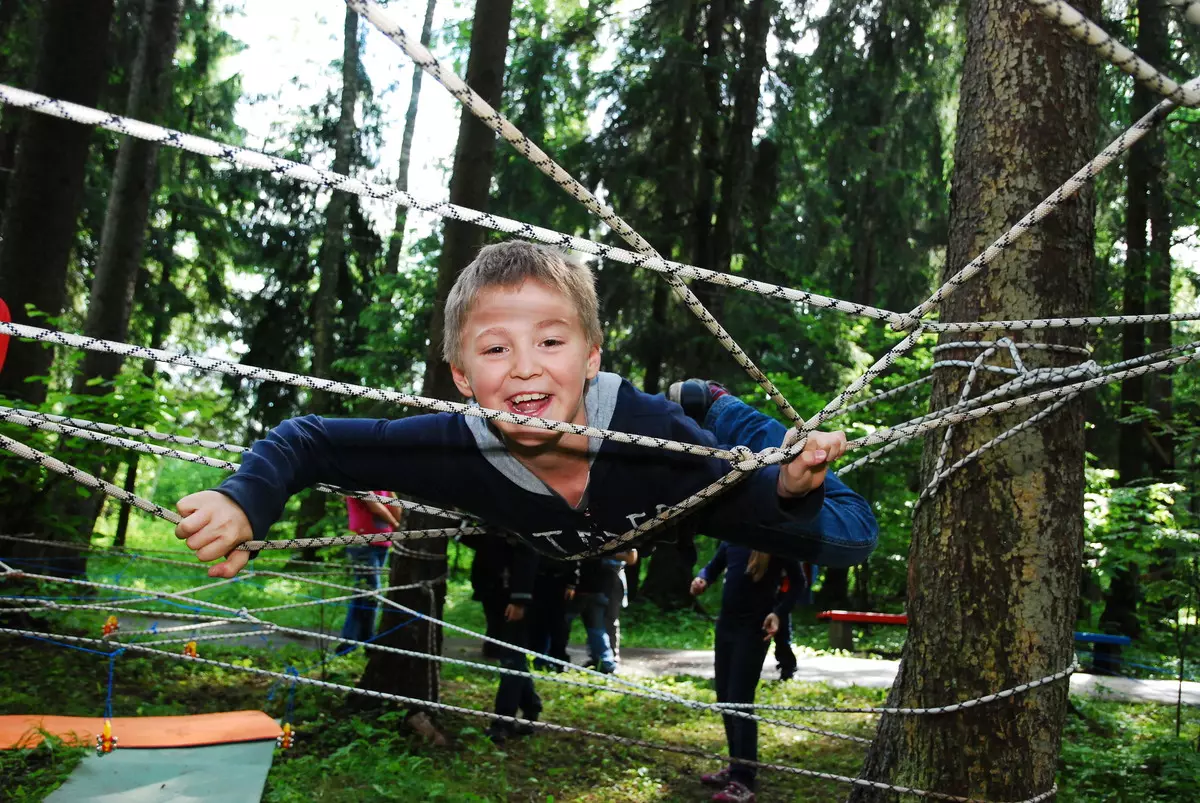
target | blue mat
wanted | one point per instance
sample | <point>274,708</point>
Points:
<point>230,773</point>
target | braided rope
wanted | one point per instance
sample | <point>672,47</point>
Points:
<point>983,344</point>
<point>1191,9</point>
<point>1085,174</point>
<point>539,725</point>
<point>539,159</point>
<point>326,179</point>
<point>1060,323</point>
<point>212,364</point>
<point>128,497</point>
<point>1121,57</point>
<point>93,431</point>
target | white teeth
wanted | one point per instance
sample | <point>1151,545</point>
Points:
<point>524,397</point>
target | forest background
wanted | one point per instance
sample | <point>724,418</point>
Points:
<point>805,144</point>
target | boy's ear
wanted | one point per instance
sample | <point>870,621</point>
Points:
<point>460,381</point>
<point>593,362</point>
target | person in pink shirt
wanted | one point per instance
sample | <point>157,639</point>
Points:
<point>367,561</point>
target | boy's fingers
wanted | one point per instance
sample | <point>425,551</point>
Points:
<point>212,548</point>
<point>234,563</point>
<point>194,522</point>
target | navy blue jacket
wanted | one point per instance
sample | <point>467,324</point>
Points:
<point>745,601</point>
<point>435,458</point>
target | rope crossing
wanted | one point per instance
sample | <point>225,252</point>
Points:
<point>1055,387</point>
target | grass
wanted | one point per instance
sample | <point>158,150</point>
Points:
<point>1111,751</point>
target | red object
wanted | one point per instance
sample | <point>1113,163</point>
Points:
<point>5,317</point>
<point>363,522</point>
<point>865,618</point>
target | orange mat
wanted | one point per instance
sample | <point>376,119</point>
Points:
<point>194,730</point>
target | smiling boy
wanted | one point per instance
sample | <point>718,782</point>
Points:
<point>522,336</point>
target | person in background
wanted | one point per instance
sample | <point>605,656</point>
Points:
<point>751,607</point>
<point>488,586</point>
<point>516,567</point>
<point>554,590</point>
<point>367,562</point>
<point>785,659</point>
<point>612,599</point>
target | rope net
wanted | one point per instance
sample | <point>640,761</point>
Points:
<point>1052,387</point>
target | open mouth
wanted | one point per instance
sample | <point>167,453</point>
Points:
<point>533,404</point>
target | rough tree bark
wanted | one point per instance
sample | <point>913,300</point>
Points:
<point>474,161</point>
<point>994,562</point>
<point>44,196</point>
<point>396,242</point>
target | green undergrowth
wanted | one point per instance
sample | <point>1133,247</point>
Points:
<point>1111,751</point>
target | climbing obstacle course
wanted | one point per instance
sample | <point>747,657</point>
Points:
<point>1044,390</point>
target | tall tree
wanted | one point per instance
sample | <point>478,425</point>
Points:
<point>43,200</point>
<point>1147,251</point>
<point>994,563</point>
<point>46,188</point>
<point>329,258</point>
<point>396,242</point>
<point>122,246</point>
<point>425,563</point>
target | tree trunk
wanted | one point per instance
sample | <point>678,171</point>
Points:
<point>994,562</point>
<point>43,202</point>
<point>1135,441</point>
<point>739,145</point>
<point>1152,45</point>
<point>329,261</point>
<point>46,189</point>
<point>122,245</point>
<point>474,161</point>
<point>396,242</point>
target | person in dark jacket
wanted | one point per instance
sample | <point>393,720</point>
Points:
<point>488,586</point>
<point>554,590</point>
<point>751,607</point>
<point>516,566</point>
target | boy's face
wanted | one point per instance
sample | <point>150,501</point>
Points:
<point>524,351</point>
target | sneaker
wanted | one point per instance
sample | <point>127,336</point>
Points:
<point>735,792</point>
<point>695,396</point>
<point>499,732</point>
<point>787,672</point>
<point>719,778</point>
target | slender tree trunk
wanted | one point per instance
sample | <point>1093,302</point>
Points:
<point>43,201</point>
<point>739,137</point>
<point>396,242</point>
<point>122,244</point>
<point>1135,441</point>
<point>712,75</point>
<point>329,261</point>
<point>46,189</point>
<point>474,162</point>
<point>994,562</point>
<point>1153,46</point>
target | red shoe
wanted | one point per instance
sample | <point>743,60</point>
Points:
<point>719,779</point>
<point>735,792</point>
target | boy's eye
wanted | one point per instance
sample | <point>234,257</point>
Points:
<point>494,350</point>
<point>552,341</point>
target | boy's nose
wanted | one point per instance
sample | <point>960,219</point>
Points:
<point>525,364</point>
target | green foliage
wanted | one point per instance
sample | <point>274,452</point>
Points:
<point>31,774</point>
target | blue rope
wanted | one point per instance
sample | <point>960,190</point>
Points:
<point>112,662</point>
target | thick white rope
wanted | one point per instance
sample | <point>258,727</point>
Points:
<point>473,103</point>
<point>546,726</point>
<point>1121,57</point>
<point>327,179</point>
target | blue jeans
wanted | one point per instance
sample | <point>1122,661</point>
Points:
<point>845,531</point>
<point>594,614</point>
<point>360,619</point>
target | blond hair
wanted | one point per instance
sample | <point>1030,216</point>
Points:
<point>511,264</point>
<point>756,565</point>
